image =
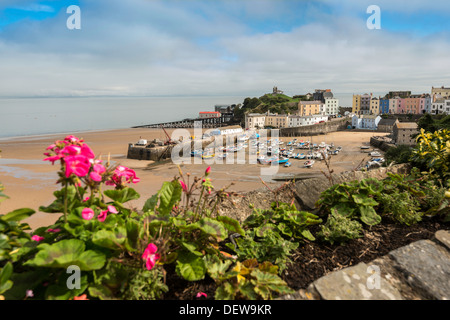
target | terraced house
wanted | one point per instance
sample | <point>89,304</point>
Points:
<point>309,108</point>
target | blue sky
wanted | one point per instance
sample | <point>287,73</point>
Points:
<point>223,47</point>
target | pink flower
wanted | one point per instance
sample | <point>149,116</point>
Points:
<point>29,293</point>
<point>78,165</point>
<point>72,138</point>
<point>71,150</point>
<point>102,216</point>
<point>183,185</point>
<point>53,230</point>
<point>112,209</point>
<point>82,297</point>
<point>37,238</point>
<point>74,150</point>
<point>53,159</point>
<point>200,294</point>
<point>208,170</point>
<point>86,199</point>
<point>122,173</point>
<point>96,175</point>
<point>150,256</point>
<point>87,213</point>
<point>87,152</point>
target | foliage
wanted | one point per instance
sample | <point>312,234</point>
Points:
<point>270,247</point>
<point>400,198</point>
<point>283,219</point>
<point>432,153</point>
<point>246,280</point>
<point>339,229</point>
<point>13,235</point>
<point>354,200</point>
<point>399,154</point>
<point>434,123</point>
<point>121,252</point>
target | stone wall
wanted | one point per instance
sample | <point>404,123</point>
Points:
<point>381,143</point>
<point>307,192</point>
<point>316,129</point>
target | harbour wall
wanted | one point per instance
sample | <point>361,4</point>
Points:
<point>316,129</point>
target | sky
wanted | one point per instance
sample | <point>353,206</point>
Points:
<point>221,47</point>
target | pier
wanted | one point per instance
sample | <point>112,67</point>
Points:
<point>189,123</point>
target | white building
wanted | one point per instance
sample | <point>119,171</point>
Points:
<point>438,106</point>
<point>331,107</point>
<point>367,122</point>
<point>255,121</point>
<point>299,121</point>
<point>209,114</point>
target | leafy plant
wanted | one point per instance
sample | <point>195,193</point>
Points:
<point>270,247</point>
<point>246,280</point>
<point>340,229</point>
<point>433,152</point>
<point>353,199</point>
<point>283,219</point>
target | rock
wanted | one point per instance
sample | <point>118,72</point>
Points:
<point>308,191</point>
<point>360,282</point>
<point>443,236</point>
<point>310,294</point>
<point>426,266</point>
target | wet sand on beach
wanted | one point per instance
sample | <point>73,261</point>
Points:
<point>30,182</point>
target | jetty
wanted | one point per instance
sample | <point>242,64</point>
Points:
<point>189,123</point>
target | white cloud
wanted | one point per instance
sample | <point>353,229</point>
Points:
<point>139,47</point>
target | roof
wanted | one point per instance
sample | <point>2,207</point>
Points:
<point>311,102</point>
<point>387,122</point>
<point>209,112</point>
<point>406,125</point>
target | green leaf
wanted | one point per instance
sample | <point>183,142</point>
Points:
<point>169,195</point>
<point>265,230</point>
<point>60,291</point>
<point>190,266</point>
<point>133,232</point>
<point>215,267</point>
<point>369,216</point>
<point>123,195</point>
<point>111,239</point>
<point>65,253</point>
<point>18,215</point>
<point>364,200</point>
<point>151,203</point>
<point>101,292</point>
<point>284,229</point>
<point>308,235</point>
<point>191,247</point>
<point>231,225</point>
<point>225,292</point>
<point>5,275</point>
<point>213,228</point>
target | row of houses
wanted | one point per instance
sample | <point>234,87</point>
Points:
<point>403,102</point>
<point>266,120</point>
<point>403,133</point>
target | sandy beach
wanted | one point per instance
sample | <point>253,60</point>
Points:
<point>30,182</point>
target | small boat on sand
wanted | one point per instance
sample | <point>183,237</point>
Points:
<point>309,164</point>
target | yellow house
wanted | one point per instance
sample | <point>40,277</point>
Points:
<point>277,121</point>
<point>309,108</point>
<point>375,106</point>
<point>356,106</point>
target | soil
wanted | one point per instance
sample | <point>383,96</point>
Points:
<point>313,260</point>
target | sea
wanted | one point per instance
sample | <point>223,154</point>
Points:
<point>40,116</point>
